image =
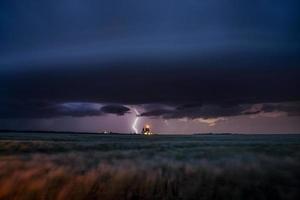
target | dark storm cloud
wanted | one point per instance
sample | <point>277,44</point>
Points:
<point>115,109</point>
<point>215,111</point>
<point>180,84</point>
<point>79,109</point>
<point>156,113</point>
<point>292,109</point>
<point>183,54</point>
<point>205,111</point>
<point>38,109</point>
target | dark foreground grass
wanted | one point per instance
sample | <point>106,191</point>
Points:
<point>75,166</point>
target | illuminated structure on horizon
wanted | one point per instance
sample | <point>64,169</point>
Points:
<point>146,130</point>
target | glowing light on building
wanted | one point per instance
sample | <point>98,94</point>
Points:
<point>147,130</point>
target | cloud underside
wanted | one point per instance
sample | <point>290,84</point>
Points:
<point>53,110</point>
<point>190,89</point>
<point>211,114</point>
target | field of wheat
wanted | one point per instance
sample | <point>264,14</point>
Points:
<point>114,167</point>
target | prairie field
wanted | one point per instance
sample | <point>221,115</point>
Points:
<point>132,167</point>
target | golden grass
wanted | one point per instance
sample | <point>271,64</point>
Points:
<point>133,168</point>
<point>49,177</point>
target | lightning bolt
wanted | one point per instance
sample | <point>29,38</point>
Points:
<point>135,121</point>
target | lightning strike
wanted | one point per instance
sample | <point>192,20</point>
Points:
<point>134,128</point>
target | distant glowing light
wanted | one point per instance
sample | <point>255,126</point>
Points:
<point>146,130</point>
<point>134,128</point>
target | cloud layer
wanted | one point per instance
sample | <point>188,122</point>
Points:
<point>209,112</point>
<point>181,59</point>
<point>181,86</point>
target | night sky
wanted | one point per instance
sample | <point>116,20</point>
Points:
<point>192,66</point>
